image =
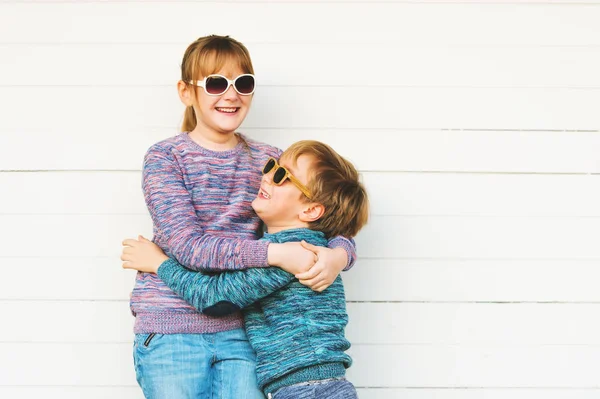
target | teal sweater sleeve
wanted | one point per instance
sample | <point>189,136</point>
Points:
<point>223,293</point>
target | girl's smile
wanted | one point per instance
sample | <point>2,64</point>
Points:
<point>230,110</point>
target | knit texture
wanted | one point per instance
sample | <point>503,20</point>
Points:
<point>200,204</point>
<point>298,334</point>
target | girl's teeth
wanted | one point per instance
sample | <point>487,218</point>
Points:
<point>226,109</point>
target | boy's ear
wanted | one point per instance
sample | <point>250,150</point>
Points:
<point>312,212</point>
<point>186,94</point>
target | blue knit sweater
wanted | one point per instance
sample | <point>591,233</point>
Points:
<point>298,334</point>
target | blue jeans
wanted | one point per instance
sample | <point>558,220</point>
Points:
<point>184,366</point>
<point>335,388</point>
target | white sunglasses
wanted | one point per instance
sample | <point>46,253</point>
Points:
<point>215,85</point>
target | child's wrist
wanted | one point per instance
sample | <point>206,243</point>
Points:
<point>274,254</point>
<point>342,258</point>
<point>162,260</point>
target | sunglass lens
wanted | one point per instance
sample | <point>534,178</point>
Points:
<point>269,166</point>
<point>279,175</point>
<point>216,85</point>
<point>245,84</point>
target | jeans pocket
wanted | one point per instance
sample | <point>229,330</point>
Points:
<point>143,341</point>
<point>149,339</point>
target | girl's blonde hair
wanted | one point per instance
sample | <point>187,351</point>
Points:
<point>335,183</point>
<point>206,56</point>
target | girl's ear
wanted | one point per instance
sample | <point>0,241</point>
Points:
<point>312,212</point>
<point>186,93</point>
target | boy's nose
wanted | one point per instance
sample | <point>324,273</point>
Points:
<point>268,178</point>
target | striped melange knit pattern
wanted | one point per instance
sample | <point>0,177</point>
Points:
<point>298,334</point>
<point>200,203</point>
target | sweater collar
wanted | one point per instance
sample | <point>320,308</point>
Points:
<point>308,235</point>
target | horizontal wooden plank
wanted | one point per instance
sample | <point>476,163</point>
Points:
<point>374,366</point>
<point>422,237</point>
<point>389,194</point>
<point>482,194</point>
<point>394,149</point>
<point>313,107</point>
<point>395,280</point>
<point>95,278</point>
<point>478,324</point>
<point>474,366</point>
<point>394,23</point>
<point>49,151</point>
<point>73,193</point>
<point>72,322</point>
<point>547,2</point>
<point>475,393</point>
<point>71,235</point>
<point>477,280</point>
<point>71,392</point>
<point>286,64</point>
<point>67,392</point>
<point>67,364</point>
<point>480,237</point>
<point>388,323</point>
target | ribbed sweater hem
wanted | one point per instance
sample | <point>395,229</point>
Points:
<point>254,253</point>
<point>184,323</point>
<point>310,373</point>
<point>347,246</point>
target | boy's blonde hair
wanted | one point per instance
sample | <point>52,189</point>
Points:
<point>206,56</point>
<point>333,182</point>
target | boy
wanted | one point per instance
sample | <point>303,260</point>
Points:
<point>310,194</point>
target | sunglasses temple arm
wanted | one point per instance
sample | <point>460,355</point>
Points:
<point>300,186</point>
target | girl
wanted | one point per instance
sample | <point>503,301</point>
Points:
<point>198,187</point>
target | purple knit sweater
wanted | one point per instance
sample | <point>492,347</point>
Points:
<point>200,203</point>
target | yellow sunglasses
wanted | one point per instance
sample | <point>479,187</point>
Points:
<point>281,174</point>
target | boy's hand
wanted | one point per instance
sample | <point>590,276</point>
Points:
<point>291,257</point>
<point>330,262</point>
<point>142,255</point>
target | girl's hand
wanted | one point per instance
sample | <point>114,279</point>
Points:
<point>330,262</point>
<point>291,257</point>
<point>142,255</point>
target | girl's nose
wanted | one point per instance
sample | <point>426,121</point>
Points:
<point>230,93</point>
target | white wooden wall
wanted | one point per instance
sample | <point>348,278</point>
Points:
<point>476,126</point>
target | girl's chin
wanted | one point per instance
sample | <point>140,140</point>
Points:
<point>227,130</point>
<point>228,124</point>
